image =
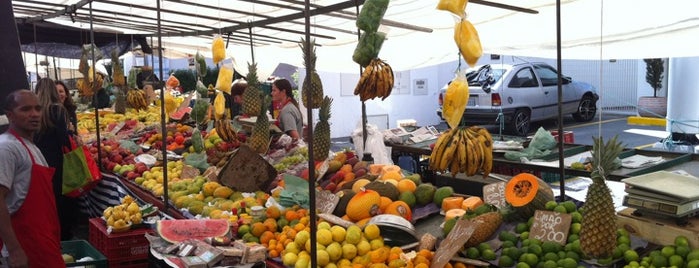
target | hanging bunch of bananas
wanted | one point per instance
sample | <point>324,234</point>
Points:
<point>137,99</point>
<point>225,130</point>
<point>463,150</point>
<point>376,81</point>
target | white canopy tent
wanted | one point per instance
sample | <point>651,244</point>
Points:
<point>590,29</point>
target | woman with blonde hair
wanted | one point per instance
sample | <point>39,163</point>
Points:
<point>52,136</point>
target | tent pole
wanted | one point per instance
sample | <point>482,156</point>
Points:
<point>309,114</point>
<point>561,156</point>
<point>36,56</point>
<point>163,127</point>
<point>366,156</point>
<point>252,47</point>
<point>94,94</point>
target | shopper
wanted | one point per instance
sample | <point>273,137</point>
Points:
<point>51,138</point>
<point>28,223</point>
<point>65,97</point>
<point>290,120</point>
<point>236,103</point>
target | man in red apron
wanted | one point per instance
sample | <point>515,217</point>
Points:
<point>29,228</point>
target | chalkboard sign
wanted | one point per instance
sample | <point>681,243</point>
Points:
<point>494,194</point>
<point>455,240</point>
<point>550,226</point>
<point>326,201</point>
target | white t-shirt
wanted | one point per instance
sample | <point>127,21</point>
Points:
<point>16,168</point>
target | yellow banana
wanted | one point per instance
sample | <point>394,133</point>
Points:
<point>437,151</point>
<point>449,151</point>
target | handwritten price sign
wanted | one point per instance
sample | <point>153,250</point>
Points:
<point>455,240</point>
<point>494,194</point>
<point>550,226</point>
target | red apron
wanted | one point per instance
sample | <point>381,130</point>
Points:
<point>36,222</point>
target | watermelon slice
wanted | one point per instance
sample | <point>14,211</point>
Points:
<point>179,230</point>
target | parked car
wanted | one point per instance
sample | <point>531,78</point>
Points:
<point>523,93</point>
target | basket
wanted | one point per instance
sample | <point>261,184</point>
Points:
<point>123,247</point>
<point>80,249</point>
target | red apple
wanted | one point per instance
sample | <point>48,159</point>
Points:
<point>140,168</point>
<point>111,165</point>
<point>131,175</point>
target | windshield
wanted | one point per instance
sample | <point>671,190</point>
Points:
<point>477,77</point>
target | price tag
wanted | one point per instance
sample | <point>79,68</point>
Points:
<point>326,201</point>
<point>550,226</point>
<point>462,231</point>
<point>494,194</point>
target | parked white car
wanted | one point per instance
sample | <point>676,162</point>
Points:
<point>523,93</point>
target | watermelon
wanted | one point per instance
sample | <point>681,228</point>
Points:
<point>179,230</point>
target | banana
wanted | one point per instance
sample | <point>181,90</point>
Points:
<point>448,155</point>
<point>438,150</point>
<point>462,153</point>
<point>473,158</point>
<point>389,75</point>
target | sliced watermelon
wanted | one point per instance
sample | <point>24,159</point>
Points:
<point>179,230</point>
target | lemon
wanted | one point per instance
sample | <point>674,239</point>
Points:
<point>349,251</point>
<point>324,236</point>
<point>353,235</point>
<point>324,225</point>
<point>322,257</point>
<point>289,259</point>
<point>363,247</point>
<point>334,251</point>
<point>301,237</point>
<point>371,231</point>
<point>338,233</point>
<point>292,247</point>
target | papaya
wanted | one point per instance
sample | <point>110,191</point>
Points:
<point>424,193</point>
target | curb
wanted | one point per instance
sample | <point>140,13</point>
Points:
<point>646,121</point>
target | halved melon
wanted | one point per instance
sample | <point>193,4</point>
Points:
<point>471,203</point>
<point>179,230</point>
<point>527,193</point>
<point>453,213</point>
<point>451,202</point>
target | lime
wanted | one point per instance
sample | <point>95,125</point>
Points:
<point>570,206</point>
<point>524,235</point>
<point>483,246</point>
<point>550,264</point>
<point>548,246</point>
<point>682,251</point>
<point>530,221</point>
<point>488,254</point>
<point>575,228</point>
<point>550,205</point>
<point>573,237</point>
<point>576,246</point>
<point>573,255</point>
<point>634,264</point>
<point>630,255</point>
<point>508,244</point>
<point>618,253</point>
<point>522,265</point>
<point>676,260</point>
<point>560,209</point>
<point>551,256</point>
<point>526,242</point>
<point>505,261</point>
<point>605,261</point>
<point>659,261</point>
<point>521,227</point>
<point>561,255</point>
<point>534,241</point>
<point>536,249</point>
<point>623,240</point>
<point>622,232</point>
<point>693,255</point>
<point>681,240</point>
<point>508,236</point>
<point>667,251</point>
<point>513,252</point>
<point>576,217</point>
<point>654,254</point>
<point>529,258</point>
<point>693,264</point>
<point>623,248</point>
<point>567,263</point>
<point>473,253</point>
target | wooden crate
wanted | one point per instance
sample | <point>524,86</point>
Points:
<point>658,230</point>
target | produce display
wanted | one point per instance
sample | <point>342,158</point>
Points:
<point>121,217</point>
<point>312,87</point>
<point>463,150</point>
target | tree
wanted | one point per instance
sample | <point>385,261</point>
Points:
<point>654,74</point>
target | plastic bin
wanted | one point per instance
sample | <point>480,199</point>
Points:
<point>126,247</point>
<point>568,136</point>
<point>80,249</point>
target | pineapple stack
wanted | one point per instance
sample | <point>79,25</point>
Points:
<point>252,96</point>
<point>312,86</point>
<point>598,231</point>
<point>259,141</point>
<point>321,133</point>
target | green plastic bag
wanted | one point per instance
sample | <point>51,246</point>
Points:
<point>197,160</point>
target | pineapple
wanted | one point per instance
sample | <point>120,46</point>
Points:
<point>120,102</point>
<point>312,85</point>
<point>259,141</point>
<point>321,133</point>
<point>252,100</point>
<point>598,231</point>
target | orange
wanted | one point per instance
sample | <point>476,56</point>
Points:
<point>273,212</point>
<point>407,186</point>
<point>291,215</point>
<point>266,237</point>
<point>271,224</point>
<point>426,253</point>
<point>346,168</point>
<point>258,228</point>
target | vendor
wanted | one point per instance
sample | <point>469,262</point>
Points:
<point>236,100</point>
<point>289,120</point>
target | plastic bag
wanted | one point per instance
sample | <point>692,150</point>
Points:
<point>218,49</point>
<point>540,145</point>
<point>225,78</point>
<point>455,100</point>
<point>368,47</point>
<point>454,6</point>
<point>374,144</point>
<point>197,160</point>
<point>370,16</point>
<point>129,145</point>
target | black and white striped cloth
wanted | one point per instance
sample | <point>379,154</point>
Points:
<point>108,192</point>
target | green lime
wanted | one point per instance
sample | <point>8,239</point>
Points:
<point>473,253</point>
<point>573,255</point>
<point>576,246</point>
<point>513,252</point>
<point>634,264</point>
<point>488,254</point>
<point>524,235</point>
<point>561,255</point>
<point>623,248</point>
<point>693,255</point>
<point>529,258</point>
<point>676,260</point>
<point>681,240</point>
<point>505,261</point>
<point>536,249</point>
<point>573,237</point>
<point>550,264</point>
<point>576,217</point>
<point>508,236</point>
<point>617,253</point>
<point>508,244</point>
<point>630,255</point>
<point>659,261</point>
<point>645,264</point>
<point>483,246</point>
<point>682,251</point>
<point>526,242</point>
<point>570,206</point>
<point>548,246</point>
<point>521,227</point>
<point>522,265</point>
<point>551,256</point>
<point>550,205</point>
<point>567,263</point>
<point>654,254</point>
<point>622,232</point>
<point>530,221</point>
<point>693,264</point>
<point>534,241</point>
<point>667,251</point>
<point>560,209</point>
<point>605,261</point>
<point>575,228</point>
<point>623,240</point>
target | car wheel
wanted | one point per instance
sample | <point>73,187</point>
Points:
<point>587,109</point>
<point>520,123</point>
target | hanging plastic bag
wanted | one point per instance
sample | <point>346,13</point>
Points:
<point>370,16</point>
<point>455,100</point>
<point>225,78</point>
<point>218,49</point>
<point>368,47</point>
<point>454,6</point>
<point>466,38</point>
<point>374,144</point>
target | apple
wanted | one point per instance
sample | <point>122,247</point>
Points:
<point>131,175</point>
<point>141,167</point>
<point>111,166</point>
<point>116,168</point>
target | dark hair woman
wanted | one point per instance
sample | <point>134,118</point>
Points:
<point>66,99</point>
<point>290,118</point>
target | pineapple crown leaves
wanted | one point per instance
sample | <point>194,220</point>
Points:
<point>605,154</point>
<point>324,111</point>
<point>253,80</point>
<point>310,61</point>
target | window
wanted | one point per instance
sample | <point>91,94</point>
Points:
<point>548,75</point>
<point>524,78</point>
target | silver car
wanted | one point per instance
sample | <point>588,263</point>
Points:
<point>523,93</point>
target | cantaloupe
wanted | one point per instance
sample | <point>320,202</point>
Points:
<point>452,202</point>
<point>453,213</point>
<point>364,204</point>
<point>471,203</point>
<point>527,193</point>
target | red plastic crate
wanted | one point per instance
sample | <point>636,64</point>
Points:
<point>568,136</point>
<point>123,247</point>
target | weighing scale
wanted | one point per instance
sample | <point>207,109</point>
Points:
<point>663,193</point>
